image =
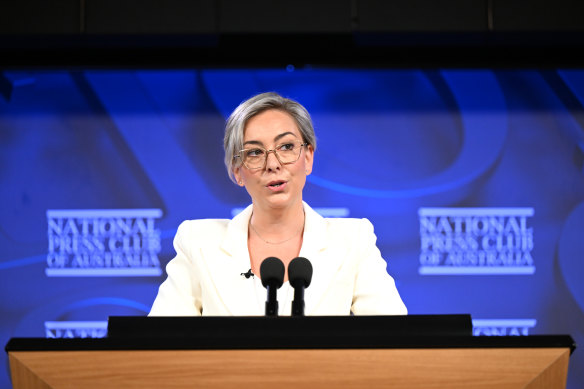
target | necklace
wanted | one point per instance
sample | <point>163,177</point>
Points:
<point>275,243</point>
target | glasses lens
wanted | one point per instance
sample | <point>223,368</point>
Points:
<point>288,152</point>
<point>254,158</point>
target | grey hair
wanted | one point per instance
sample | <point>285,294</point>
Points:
<point>235,126</point>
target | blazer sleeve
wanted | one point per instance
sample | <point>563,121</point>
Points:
<point>180,293</point>
<point>375,292</point>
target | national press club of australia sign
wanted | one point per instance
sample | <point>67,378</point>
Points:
<point>476,241</point>
<point>103,242</point>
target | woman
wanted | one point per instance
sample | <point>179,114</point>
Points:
<point>269,149</point>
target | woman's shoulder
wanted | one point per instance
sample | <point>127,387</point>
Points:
<point>348,228</point>
<point>347,222</point>
<point>203,227</point>
<point>337,226</point>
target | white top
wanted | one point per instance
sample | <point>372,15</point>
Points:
<point>349,274</point>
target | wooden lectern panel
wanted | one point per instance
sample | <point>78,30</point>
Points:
<point>463,368</point>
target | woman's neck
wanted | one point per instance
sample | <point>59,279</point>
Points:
<point>278,222</point>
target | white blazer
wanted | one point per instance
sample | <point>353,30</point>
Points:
<point>349,274</point>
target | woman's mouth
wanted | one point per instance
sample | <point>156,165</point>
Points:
<point>276,185</point>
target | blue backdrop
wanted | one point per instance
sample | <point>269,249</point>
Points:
<point>473,180</point>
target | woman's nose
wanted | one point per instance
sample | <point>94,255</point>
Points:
<point>272,161</point>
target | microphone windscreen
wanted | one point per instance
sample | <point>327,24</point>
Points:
<point>272,270</point>
<point>300,272</point>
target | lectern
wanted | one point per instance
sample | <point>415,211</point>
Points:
<point>416,351</point>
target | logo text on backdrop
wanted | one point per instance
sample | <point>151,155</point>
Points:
<point>475,241</point>
<point>103,242</point>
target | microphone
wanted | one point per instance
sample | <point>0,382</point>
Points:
<point>272,273</point>
<point>300,275</point>
<point>247,274</point>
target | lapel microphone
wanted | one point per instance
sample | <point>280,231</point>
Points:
<point>247,274</point>
<point>300,275</point>
<point>272,273</point>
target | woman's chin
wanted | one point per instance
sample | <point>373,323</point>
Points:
<point>279,201</point>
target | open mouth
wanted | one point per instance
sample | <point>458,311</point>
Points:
<point>276,184</point>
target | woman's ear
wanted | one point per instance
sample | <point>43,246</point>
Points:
<point>237,175</point>
<point>308,159</point>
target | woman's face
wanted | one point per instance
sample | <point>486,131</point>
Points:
<point>277,185</point>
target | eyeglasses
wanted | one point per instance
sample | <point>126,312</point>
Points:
<point>257,157</point>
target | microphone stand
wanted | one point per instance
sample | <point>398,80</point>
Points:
<point>298,302</point>
<point>272,301</point>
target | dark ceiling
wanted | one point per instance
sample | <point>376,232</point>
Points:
<point>224,33</point>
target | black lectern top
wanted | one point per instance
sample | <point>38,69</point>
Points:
<point>309,332</point>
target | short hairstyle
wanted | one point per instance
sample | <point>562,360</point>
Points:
<point>235,126</point>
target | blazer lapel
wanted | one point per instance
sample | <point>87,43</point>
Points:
<point>233,289</point>
<point>315,249</point>
<point>236,292</point>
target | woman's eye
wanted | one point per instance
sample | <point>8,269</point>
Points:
<point>254,152</point>
<point>286,147</point>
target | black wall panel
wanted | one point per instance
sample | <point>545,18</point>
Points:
<point>538,15</point>
<point>150,16</point>
<point>40,17</point>
<point>421,15</point>
<point>166,33</point>
<point>298,16</point>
